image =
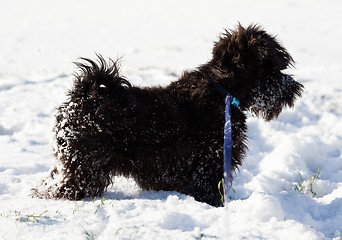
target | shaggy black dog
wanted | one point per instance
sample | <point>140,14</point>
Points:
<point>168,138</point>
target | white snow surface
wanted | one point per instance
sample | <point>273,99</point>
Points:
<point>39,40</point>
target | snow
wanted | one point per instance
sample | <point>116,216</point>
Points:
<point>40,39</point>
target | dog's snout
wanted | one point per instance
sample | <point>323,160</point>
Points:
<point>287,79</point>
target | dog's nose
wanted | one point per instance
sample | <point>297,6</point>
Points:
<point>287,79</point>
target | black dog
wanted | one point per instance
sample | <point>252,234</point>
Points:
<point>168,138</point>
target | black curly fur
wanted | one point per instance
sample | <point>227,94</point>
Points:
<point>166,138</point>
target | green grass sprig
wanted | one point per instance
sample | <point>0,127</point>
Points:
<point>223,192</point>
<point>306,186</point>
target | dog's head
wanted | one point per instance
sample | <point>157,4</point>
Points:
<point>250,63</point>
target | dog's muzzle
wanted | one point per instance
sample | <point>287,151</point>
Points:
<point>287,79</point>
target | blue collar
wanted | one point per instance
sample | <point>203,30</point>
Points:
<point>233,101</point>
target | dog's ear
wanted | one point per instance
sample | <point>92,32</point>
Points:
<point>247,48</point>
<point>266,50</point>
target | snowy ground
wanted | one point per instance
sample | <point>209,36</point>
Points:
<point>40,39</point>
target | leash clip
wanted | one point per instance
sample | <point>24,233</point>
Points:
<point>235,102</point>
<point>232,100</point>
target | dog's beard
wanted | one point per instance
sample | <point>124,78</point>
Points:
<point>272,95</point>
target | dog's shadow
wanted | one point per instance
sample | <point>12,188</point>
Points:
<point>143,195</point>
<point>126,189</point>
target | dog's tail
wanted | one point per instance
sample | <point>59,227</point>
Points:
<point>94,74</point>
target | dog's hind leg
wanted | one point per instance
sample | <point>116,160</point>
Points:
<point>80,177</point>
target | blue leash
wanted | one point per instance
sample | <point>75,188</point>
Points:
<point>227,145</point>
